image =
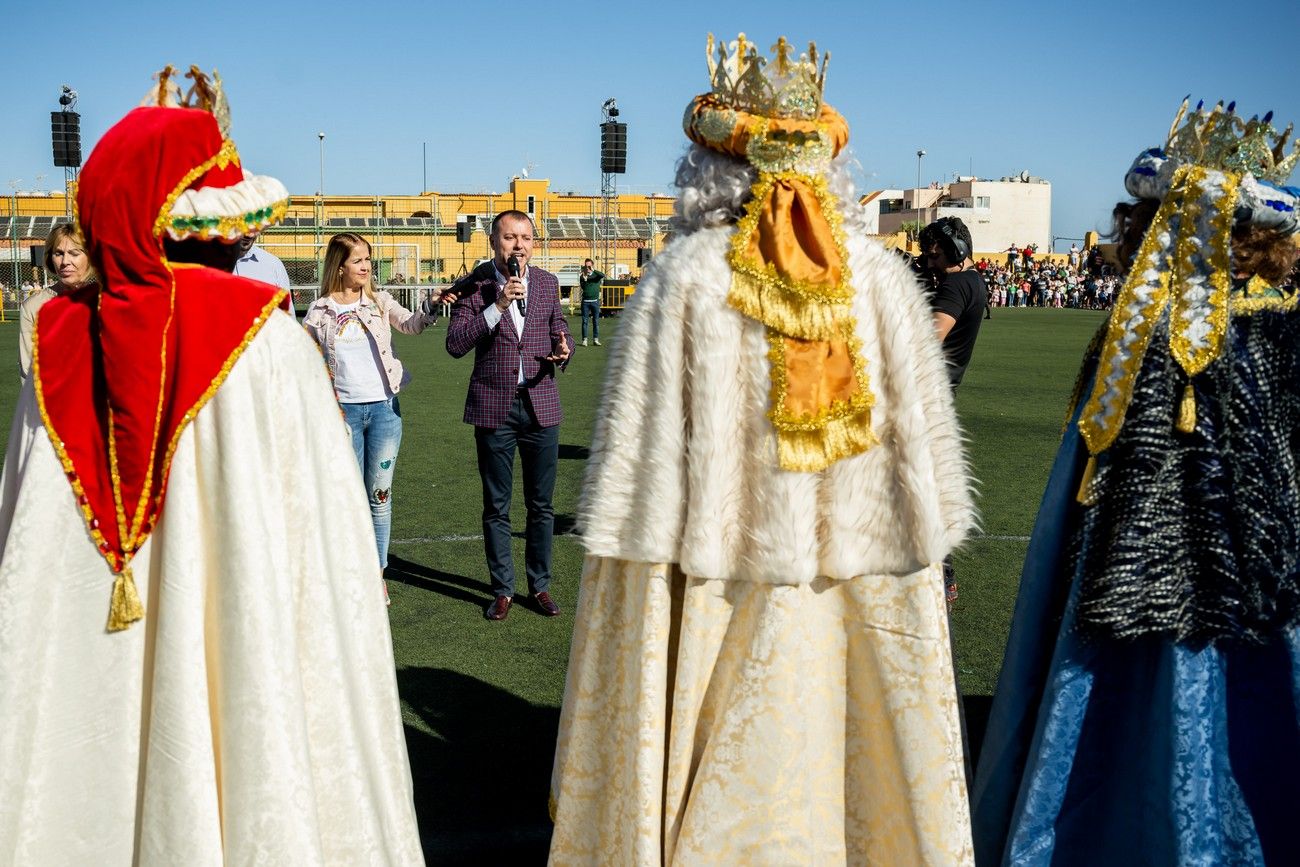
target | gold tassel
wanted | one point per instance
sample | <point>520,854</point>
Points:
<point>126,607</point>
<point>1187,411</point>
<point>1086,484</point>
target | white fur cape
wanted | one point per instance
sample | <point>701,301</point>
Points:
<point>683,464</point>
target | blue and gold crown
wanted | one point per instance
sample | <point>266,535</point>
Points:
<point>1218,138</point>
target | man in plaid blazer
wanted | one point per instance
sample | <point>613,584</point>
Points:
<point>513,402</point>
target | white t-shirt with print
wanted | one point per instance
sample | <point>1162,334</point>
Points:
<point>358,376</point>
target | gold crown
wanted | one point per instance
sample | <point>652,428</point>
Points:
<point>1219,139</point>
<point>205,93</point>
<point>783,88</point>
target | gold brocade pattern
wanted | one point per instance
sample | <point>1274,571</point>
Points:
<point>717,722</point>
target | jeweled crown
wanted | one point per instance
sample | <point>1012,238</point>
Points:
<point>783,87</point>
<point>1218,138</point>
<point>206,93</point>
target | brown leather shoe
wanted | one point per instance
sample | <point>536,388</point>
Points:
<point>547,604</point>
<point>499,608</point>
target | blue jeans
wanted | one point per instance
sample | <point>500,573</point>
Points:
<point>592,309</point>
<point>376,434</point>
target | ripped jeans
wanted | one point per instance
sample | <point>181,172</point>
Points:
<point>376,434</point>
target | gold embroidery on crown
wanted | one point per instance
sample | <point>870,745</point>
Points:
<point>784,87</point>
<point>781,151</point>
<point>714,124</point>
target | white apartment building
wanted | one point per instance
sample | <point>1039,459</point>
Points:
<point>1016,210</point>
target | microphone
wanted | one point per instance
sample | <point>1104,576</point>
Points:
<point>512,268</point>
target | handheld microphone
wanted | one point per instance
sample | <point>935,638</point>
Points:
<point>512,268</point>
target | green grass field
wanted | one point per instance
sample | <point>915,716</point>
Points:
<point>481,700</point>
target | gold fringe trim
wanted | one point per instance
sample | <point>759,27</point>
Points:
<point>1085,484</point>
<point>810,443</point>
<point>125,607</point>
<point>764,298</point>
<point>815,450</point>
<point>1187,410</point>
<point>793,307</point>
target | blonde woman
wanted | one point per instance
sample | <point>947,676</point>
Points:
<point>353,323</point>
<point>66,259</point>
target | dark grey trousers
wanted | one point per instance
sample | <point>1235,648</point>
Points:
<point>538,449</point>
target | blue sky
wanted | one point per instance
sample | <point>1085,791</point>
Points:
<point>1070,92</point>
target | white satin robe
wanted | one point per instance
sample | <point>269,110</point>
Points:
<point>252,716</point>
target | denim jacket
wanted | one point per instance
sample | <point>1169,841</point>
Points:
<point>379,316</point>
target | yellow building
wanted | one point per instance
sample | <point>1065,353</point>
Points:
<point>414,237</point>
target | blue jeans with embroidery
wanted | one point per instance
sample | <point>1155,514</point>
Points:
<point>376,434</point>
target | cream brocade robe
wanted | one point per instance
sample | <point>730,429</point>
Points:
<point>761,670</point>
<point>252,716</point>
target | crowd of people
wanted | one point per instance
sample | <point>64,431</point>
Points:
<point>1048,284</point>
<point>761,668</point>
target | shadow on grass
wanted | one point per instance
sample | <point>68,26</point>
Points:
<point>574,453</point>
<point>444,583</point>
<point>482,779</point>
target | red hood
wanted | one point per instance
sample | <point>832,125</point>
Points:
<point>121,368</point>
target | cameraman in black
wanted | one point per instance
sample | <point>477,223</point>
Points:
<point>957,301</point>
<point>959,297</point>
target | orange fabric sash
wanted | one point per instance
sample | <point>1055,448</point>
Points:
<point>790,273</point>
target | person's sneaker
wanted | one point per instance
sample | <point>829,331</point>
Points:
<point>595,341</point>
<point>584,341</point>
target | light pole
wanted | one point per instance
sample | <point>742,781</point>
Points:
<point>919,153</point>
<point>14,183</point>
<point>321,136</point>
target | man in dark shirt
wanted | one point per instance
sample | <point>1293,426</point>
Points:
<point>960,297</point>
<point>958,306</point>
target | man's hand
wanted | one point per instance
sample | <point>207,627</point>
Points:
<point>450,295</point>
<point>511,292</point>
<point>560,353</point>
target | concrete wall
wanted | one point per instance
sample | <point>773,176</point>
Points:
<point>1015,212</point>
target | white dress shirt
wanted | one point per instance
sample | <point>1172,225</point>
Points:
<point>492,313</point>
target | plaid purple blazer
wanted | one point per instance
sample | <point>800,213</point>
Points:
<point>497,352</point>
